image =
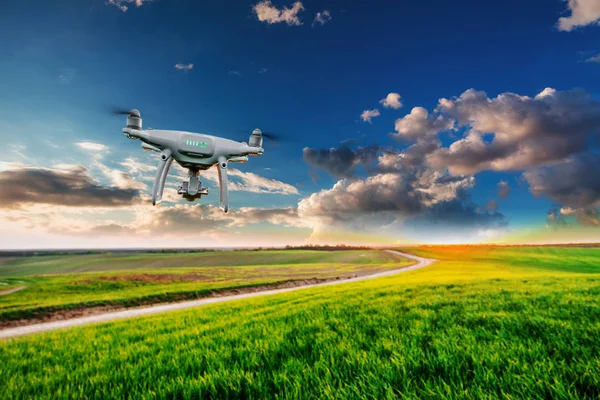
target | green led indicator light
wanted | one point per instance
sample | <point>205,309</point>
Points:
<point>197,144</point>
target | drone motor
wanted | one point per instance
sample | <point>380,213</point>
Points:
<point>256,138</point>
<point>134,120</point>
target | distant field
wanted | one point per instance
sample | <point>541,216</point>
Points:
<point>75,264</point>
<point>569,259</point>
<point>121,280</point>
<point>472,326</point>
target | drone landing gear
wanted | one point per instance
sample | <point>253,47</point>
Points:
<point>192,189</point>
<point>161,176</point>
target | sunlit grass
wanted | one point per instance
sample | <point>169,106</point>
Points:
<point>50,293</point>
<point>457,329</point>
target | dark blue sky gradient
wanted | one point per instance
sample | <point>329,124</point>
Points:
<point>318,79</point>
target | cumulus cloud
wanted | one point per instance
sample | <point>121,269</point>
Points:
<point>367,115</point>
<point>586,216</point>
<point>401,188</point>
<point>73,187</point>
<point>583,12</point>
<point>420,124</point>
<point>512,132</point>
<point>91,146</point>
<point>340,162</point>
<point>184,67</point>
<point>124,5</point>
<point>349,199</point>
<point>458,213</point>
<point>503,189</point>
<point>392,100</point>
<point>574,183</point>
<point>322,17</point>
<point>266,12</point>
<point>546,135</point>
<point>397,200</point>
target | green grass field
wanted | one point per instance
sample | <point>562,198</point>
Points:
<point>482,323</point>
<point>75,264</point>
<point>61,284</point>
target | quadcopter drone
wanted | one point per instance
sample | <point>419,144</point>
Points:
<point>194,151</point>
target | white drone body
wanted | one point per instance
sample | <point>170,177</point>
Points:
<point>194,151</point>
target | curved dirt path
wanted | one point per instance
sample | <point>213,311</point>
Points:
<point>137,312</point>
<point>9,291</point>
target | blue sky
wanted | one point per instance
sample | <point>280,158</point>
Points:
<point>65,63</point>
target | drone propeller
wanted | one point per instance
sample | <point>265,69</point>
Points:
<point>134,119</point>
<point>272,136</point>
<point>120,111</point>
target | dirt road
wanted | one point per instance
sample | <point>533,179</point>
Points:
<point>9,291</point>
<point>137,312</point>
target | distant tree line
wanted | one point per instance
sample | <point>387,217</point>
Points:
<point>81,252</point>
<point>327,247</point>
<point>73,252</point>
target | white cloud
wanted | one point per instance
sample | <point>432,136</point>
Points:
<point>322,17</point>
<point>392,100</point>
<point>91,146</point>
<point>123,5</point>
<point>419,124</point>
<point>135,166</point>
<point>184,67</point>
<point>512,131</point>
<point>594,59</point>
<point>119,178</point>
<point>367,115</point>
<point>266,12</point>
<point>251,182</point>
<point>262,70</point>
<point>5,166</point>
<point>583,12</point>
<point>236,73</point>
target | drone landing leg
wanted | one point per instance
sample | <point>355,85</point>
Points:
<point>223,181</point>
<point>161,176</point>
